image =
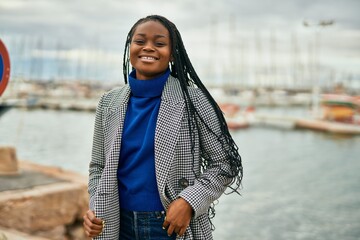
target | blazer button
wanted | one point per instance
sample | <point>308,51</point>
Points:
<point>183,183</point>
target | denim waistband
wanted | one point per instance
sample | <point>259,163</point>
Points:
<point>157,214</point>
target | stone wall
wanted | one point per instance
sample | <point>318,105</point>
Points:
<point>52,211</point>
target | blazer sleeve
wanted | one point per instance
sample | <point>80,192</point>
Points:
<point>97,162</point>
<point>210,185</point>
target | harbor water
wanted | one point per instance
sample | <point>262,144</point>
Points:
<point>297,184</point>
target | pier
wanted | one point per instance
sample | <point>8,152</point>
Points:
<point>287,122</point>
<point>40,202</point>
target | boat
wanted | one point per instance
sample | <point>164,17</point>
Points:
<point>4,108</point>
<point>237,123</point>
<point>340,108</point>
<point>340,114</point>
<point>235,118</point>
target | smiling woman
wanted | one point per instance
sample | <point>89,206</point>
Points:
<point>162,152</point>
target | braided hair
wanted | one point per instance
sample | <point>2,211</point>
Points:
<point>182,69</point>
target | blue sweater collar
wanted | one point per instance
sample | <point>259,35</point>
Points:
<point>147,88</point>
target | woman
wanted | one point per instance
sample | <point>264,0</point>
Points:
<point>162,152</point>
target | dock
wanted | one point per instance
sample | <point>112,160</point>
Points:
<point>288,122</point>
<point>40,202</point>
<point>327,126</point>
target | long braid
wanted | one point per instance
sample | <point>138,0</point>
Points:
<point>182,69</point>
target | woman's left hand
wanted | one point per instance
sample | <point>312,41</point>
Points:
<point>93,226</point>
<point>178,217</point>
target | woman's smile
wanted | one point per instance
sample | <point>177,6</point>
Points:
<point>148,59</point>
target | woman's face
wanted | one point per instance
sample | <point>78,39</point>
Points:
<point>150,50</point>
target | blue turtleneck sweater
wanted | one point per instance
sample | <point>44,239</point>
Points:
<point>136,173</point>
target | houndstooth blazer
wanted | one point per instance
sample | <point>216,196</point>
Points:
<point>173,159</point>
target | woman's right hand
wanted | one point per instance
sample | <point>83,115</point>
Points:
<point>93,226</point>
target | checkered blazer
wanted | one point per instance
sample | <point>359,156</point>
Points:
<point>173,158</point>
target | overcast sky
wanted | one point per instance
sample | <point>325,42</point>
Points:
<point>210,28</point>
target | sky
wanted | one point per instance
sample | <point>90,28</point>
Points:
<point>228,39</point>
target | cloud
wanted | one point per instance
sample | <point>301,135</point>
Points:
<point>105,18</point>
<point>207,27</point>
<point>9,5</point>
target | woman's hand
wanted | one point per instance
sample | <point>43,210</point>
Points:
<point>93,226</point>
<point>178,217</point>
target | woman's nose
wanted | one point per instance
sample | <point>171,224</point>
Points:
<point>148,47</point>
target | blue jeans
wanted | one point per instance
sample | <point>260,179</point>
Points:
<point>143,226</point>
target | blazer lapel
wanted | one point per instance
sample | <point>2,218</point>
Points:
<point>114,117</point>
<point>167,130</point>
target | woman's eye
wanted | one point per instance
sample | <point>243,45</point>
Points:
<point>160,44</point>
<point>138,41</point>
